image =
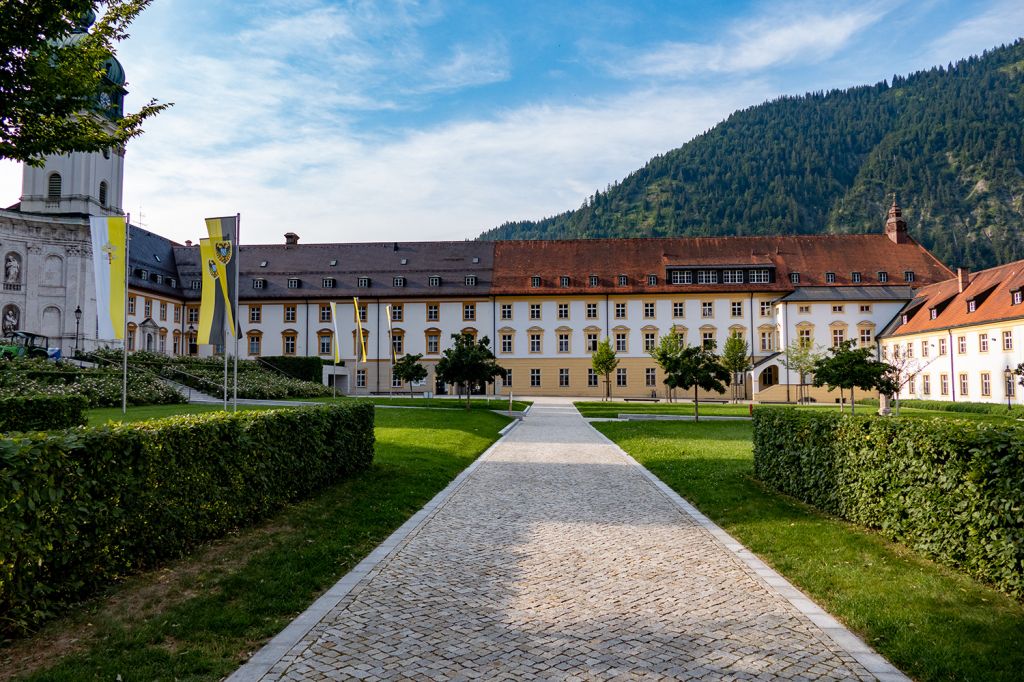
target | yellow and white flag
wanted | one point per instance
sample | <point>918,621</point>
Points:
<point>337,338</point>
<point>359,329</point>
<point>109,260</point>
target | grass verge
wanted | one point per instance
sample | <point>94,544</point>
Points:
<point>441,403</point>
<point>202,617</point>
<point>931,622</point>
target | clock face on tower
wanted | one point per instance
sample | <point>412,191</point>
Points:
<point>104,101</point>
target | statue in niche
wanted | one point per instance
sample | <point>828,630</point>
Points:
<point>12,269</point>
<point>10,321</point>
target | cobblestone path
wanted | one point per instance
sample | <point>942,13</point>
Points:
<point>558,557</point>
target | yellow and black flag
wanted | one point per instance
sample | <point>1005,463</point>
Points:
<point>219,260</point>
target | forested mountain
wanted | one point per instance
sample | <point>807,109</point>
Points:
<point>948,141</point>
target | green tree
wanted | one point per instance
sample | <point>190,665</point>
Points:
<point>801,356</point>
<point>604,363</point>
<point>846,367</point>
<point>469,362</point>
<point>698,367</point>
<point>666,355</point>
<point>736,360</point>
<point>409,369</point>
<point>54,94</point>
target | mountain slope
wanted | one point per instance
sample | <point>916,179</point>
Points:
<point>949,141</point>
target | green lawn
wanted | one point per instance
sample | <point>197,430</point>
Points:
<point>445,403</point>
<point>933,623</point>
<point>200,618</point>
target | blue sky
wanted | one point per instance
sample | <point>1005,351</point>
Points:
<point>360,121</point>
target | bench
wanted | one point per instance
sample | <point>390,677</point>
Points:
<point>641,400</point>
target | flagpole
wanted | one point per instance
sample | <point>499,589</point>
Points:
<point>225,348</point>
<point>234,315</point>
<point>124,348</point>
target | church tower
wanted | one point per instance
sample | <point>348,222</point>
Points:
<point>82,183</point>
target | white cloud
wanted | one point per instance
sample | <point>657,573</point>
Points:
<point>754,44</point>
<point>1002,23</point>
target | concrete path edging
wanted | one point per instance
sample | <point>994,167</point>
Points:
<point>876,664</point>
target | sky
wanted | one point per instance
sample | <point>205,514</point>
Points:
<point>439,119</point>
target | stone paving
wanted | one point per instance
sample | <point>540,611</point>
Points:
<point>558,557</point>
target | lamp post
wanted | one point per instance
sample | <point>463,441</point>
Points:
<point>78,323</point>
<point>1009,384</point>
<point>188,338</point>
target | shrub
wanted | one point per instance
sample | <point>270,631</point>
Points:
<point>950,489</point>
<point>101,386</point>
<point>298,367</point>
<point>83,507</point>
<point>959,406</point>
<point>41,412</point>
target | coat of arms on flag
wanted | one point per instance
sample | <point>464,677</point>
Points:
<point>223,251</point>
<point>213,268</point>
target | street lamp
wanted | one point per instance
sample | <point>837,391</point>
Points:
<point>78,323</point>
<point>1009,384</point>
<point>188,339</point>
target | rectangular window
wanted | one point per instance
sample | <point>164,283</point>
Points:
<point>1017,298</point>
<point>398,281</point>
<point>972,305</point>
<point>147,308</point>
<point>593,280</point>
<point>623,280</point>
<point>942,346</point>
<point>620,342</point>
<point>649,341</point>
<point>964,385</point>
<point>961,344</point>
<point>766,308</point>
<point>564,281</point>
<point>926,384</point>
<point>563,343</point>
<point>591,377</point>
<point>563,311</point>
<point>1010,387</point>
<point>830,278</point>
<point>759,276</point>
<point>678,309</point>
<point>591,311</point>
<point>804,309</point>
<point>620,311</point>
<point>360,378</point>
<point>620,376</point>
<point>433,312</point>
<point>986,384</point>
<point>535,311</point>
<point>708,340</point>
<point>855,277</point>
<point>196,284</point>
<point>293,283</point>
<point>324,342</point>
<point>563,377</point>
<point>254,344</point>
<point>506,343</point>
<point>650,377</point>
<point>469,312</point>
<point>506,311</point>
<point>865,307</point>
<point>433,344</point>
<point>707,277</point>
<point>508,377</point>
<point>163,311</point>
<point>837,309</point>
<point>362,283</point>
<point>325,312</point>
<point>652,280</point>
<point>591,343</point>
<point>736,308</point>
<point>328,283</point>
<point>910,350</point>
<point>397,312</point>
<point>1008,340</point>
<point>535,377</point>
<point>289,344</point>
<point>865,336</point>
<point>732,276</point>
<point>534,343</point>
<point>883,276</point>
<point>398,343</point>
<point>983,342</point>
<point>470,280</point>
<point>396,382</point>
<point>766,340</point>
<point>255,314</point>
<point>535,281</point>
<point>794,278</point>
<point>944,384</point>
<point>682,277</point>
<point>289,312</point>
<point>707,309</point>
<point>805,338</point>
<point>177,314</point>
<point>838,336</point>
<point>434,281</point>
<point>908,275</point>
<point>648,311</point>
<point>193,315</point>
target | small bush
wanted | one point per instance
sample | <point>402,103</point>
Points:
<point>42,412</point>
<point>950,489</point>
<point>100,386</point>
<point>84,507</point>
<point>960,406</point>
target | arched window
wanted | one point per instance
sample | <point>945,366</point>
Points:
<point>53,187</point>
<point>103,193</point>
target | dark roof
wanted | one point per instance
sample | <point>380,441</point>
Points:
<point>381,262</point>
<point>854,293</point>
<point>155,255</point>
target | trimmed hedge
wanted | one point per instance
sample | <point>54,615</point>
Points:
<point>84,507</point>
<point>298,367</point>
<point>999,409</point>
<point>42,412</point>
<point>950,489</point>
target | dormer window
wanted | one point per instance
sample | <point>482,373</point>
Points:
<point>855,277</point>
<point>682,277</point>
<point>293,282</point>
<point>263,263</point>
<point>652,280</point>
<point>434,281</point>
<point>883,276</point>
<point>476,259</point>
<point>172,283</point>
<point>933,313</point>
<point>157,258</point>
<point>258,283</point>
<point>972,305</point>
<point>908,275</point>
<point>1017,297</point>
<point>794,278</point>
<point>623,280</point>
<point>470,280</point>
<point>159,279</point>
<point>564,281</point>
<point>328,283</point>
<point>707,277</point>
<point>398,281</point>
<point>830,278</point>
<point>732,276</point>
<point>334,261</point>
<point>906,318</point>
<point>363,282</point>
<point>404,261</point>
<point>195,284</point>
<point>535,281</point>
<point>144,274</point>
<point>593,280</point>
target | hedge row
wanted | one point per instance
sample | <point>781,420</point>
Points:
<point>960,406</point>
<point>83,507</point>
<point>950,489</point>
<point>298,367</point>
<point>41,412</point>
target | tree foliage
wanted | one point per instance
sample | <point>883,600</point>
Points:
<point>846,367</point>
<point>409,370</point>
<point>687,367</point>
<point>801,357</point>
<point>736,359</point>
<point>604,363</point>
<point>949,141</point>
<point>469,362</point>
<point>51,79</point>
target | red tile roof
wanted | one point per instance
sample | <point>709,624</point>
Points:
<point>992,290</point>
<point>516,262</point>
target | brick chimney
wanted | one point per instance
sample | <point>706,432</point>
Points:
<point>291,239</point>
<point>963,278</point>
<point>895,225</point>
<point>188,242</point>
